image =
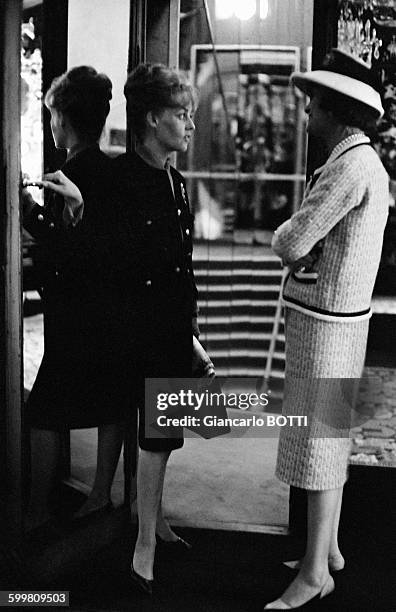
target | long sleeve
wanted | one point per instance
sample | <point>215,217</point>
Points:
<point>338,190</point>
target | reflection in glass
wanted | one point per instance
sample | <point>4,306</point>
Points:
<point>31,104</point>
<point>246,161</point>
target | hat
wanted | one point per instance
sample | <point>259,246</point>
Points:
<point>345,74</point>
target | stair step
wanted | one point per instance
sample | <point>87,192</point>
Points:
<point>240,335</point>
<point>250,330</point>
<point>246,345</point>
<point>235,302</point>
<point>245,353</point>
<point>228,272</point>
<point>237,287</point>
<point>238,371</point>
<point>215,311</point>
<point>246,264</point>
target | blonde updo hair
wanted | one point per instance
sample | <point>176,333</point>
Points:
<point>83,95</point>
<point>153,87</point>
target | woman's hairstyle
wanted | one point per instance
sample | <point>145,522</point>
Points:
<point>153,87</point>
<point>84,96</point>
<point>348,111</point>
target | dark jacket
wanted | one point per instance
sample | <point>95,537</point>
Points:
<point>156,257</point>
<point>80,381</point>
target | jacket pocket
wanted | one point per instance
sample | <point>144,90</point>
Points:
<point>305,278</point>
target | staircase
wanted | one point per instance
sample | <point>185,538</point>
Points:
<point>238,293</point>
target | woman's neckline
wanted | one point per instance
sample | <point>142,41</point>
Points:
<point>78,151</point>
<point>151,159</point>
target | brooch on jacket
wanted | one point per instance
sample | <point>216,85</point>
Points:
<point>183,192</point>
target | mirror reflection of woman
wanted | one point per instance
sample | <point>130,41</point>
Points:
<point>76,385</point>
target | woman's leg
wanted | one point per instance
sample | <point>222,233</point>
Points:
<point>314,572</point>
<point>150,482</point>
<point>336,560</point>
<point>110,439</point>
<point>45,449</point>
<point>163,529</point>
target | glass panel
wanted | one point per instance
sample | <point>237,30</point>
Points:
<point>245,166</point>
<point>98,35</point>
<point>32,169</point>
<point>92,42</point>
<point>246,169</point>
<point>249,140</point>
<point>31,97</point>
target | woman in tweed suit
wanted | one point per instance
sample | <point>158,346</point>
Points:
<point>332,247</point>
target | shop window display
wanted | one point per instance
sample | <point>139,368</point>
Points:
<point>247,161</point>
<point>367,28</point>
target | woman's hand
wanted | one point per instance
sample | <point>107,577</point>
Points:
<point>58,182</point>
<point>202,365</point>
<point>27,202</point>
<point>305,263</point>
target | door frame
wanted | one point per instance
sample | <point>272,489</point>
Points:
<point>13,450</point>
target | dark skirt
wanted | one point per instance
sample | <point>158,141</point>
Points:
<point>82,379</point>
<point>95,363</point>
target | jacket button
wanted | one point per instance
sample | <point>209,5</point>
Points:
<point>178,212</point>
<point>148,222</point>
<point>52,225</point>
<point>148,283</point>
<point>40,217</point>
<point>177,269</point>
<point>56,273</point>
<point>187,232</point>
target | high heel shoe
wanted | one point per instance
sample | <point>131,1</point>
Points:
<point>179,543</point>
<point>281,604</point>
<point>336,564</point>
<point>92,514</point>
<point>144,585</point>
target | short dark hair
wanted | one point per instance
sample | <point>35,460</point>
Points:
<point>84,96</point>
<point>153,87</point>
<point>348,111</point>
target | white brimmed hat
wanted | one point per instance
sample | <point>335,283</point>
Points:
<point>345,74</point>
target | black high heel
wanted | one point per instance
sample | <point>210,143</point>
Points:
<point>180,544</point>
<point>144,585</point>
<point>92,514</point>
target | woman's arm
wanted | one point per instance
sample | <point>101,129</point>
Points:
<point>40,221</point>
<point>339,189</point>
<point>74,203</point>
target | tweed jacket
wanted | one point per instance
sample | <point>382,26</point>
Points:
<point>344,209</point>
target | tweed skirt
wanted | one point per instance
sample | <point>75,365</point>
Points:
<point>324,362</point>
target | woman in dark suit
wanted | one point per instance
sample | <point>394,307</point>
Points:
<point>157,275</point>
<point>77,383</point>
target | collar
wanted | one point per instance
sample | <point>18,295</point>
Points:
<point>152,160</point>
<point>84,151</point>
<point>347,143</point>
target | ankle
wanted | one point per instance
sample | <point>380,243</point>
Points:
<point>314,577</point>
<point>336,554</point>
<point>144,544</point>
